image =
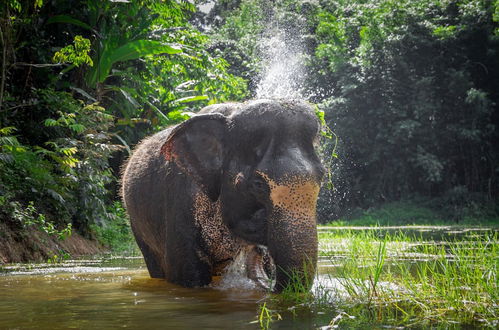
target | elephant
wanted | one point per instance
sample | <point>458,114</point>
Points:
<point>236,176</point>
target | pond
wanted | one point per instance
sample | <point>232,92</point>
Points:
<point>117,292</point>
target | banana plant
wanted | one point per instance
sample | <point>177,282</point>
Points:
<point>154,90</point>
<point>133,36</point>
<point>111,51</point>
<point>129,51</point>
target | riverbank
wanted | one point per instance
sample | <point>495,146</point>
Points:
<point>35,245</point>
<point>29,236</point>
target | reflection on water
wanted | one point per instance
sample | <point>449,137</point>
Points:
<point>100,294</point>
<point>119,297</point>
<point>117,292</point>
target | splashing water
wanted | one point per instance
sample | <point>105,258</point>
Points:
<point>282,75</point>
<point>249,270</point>
<point>236,275</point>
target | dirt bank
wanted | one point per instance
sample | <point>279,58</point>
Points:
<point>35,245</point>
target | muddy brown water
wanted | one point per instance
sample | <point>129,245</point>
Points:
<point>104,295</point>
<point>118,293</point>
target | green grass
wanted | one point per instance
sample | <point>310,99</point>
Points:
<point>394,279</point>
<point>427,212</point>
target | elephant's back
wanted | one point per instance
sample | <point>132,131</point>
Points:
<point>226,109</point>
<point>146,162</point>
<point>143,184</point>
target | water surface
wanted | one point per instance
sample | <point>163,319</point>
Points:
<point>89,294</point>
<point>118,292</point>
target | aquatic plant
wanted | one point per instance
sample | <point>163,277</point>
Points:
<point>400,280</point>
<point>267,316</point>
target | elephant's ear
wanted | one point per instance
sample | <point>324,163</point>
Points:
<point>196,146</point>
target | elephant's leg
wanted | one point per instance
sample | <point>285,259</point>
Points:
<point>186,262</point>
<point>152,262</point>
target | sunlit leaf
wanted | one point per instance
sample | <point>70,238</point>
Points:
<point>50,122</point>
<point>130,51</point>
<point>7,130</point>
<point>189,99</point>
<point>8,141</point>
<point>177,116</point>
<point>69,151</point>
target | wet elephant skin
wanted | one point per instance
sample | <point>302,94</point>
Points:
<point>232,177</point>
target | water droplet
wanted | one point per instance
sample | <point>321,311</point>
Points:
<point>283,72</point>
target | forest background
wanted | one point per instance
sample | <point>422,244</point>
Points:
<point>409,90</point>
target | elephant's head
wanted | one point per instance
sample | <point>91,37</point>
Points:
<point>258,159</point>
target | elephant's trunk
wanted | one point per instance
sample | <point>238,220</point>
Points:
<point>292,231</point>
<point>293,246</point>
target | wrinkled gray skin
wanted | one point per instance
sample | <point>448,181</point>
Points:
<point>235,177</point>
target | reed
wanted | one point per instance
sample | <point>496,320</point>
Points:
<point>399,279</point>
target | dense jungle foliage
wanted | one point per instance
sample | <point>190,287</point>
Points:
<point>81,83</point>
<point>410,88</point>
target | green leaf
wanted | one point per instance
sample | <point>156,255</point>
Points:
<point>69,151</point>
<point>14,4</point>
<point>139,48</point>
<point>6,158</point>
<point>129,98</point>
<point>189,99</point>
<point>326,134</point>
<point>7,130</point>
<point>69,20</point>
<point>38,4</point>
<point>177,116</point>
<point>160,113</point>
<point>130,51</point>
<point>78,128</point>
<point>76,53</point>
<point>320,115</point>
<point>82,92</point>
<point>69,161</point>
<point>9,141</point>
<point>50,122</point>
<point>445,32</point>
